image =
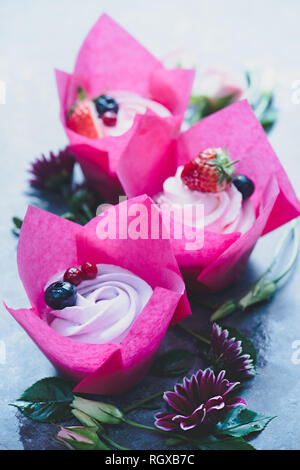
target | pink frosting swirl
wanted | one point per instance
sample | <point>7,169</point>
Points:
<point>106,306</point>
<point>224,212</point>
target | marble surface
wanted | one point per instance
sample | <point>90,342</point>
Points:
<point>38,36</point>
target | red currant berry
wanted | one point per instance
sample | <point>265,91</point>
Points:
<point>89,270</point>
<point>73,276</point>
<point>109,118</point>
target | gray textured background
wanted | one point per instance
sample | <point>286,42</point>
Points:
<point>38,35</point>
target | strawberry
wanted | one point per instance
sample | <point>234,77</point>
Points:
<point>210,172</point>
<point>82,117</point>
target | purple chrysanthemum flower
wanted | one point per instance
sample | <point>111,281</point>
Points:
<point>199,402</point>
<point>227,353</point>
<point>53,172</point>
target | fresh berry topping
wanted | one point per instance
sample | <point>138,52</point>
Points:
<point>89,270</point>
<point>106,103</point>
<point>73,276</point>
<point>244,185</point>
<point>82,120</point>
<point>60,295</point>
<point>81,93</point>
<point>109,118</point>
<point>210,172</point>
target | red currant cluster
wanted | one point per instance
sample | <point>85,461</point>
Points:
<point>109,118</point>
<point>86,271</point>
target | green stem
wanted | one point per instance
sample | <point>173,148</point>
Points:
<point>278,251</point>
<point>265,95</point>
<point>279,247</point>
<point>293,255</point>
<point>203,303</point>
<point>281,243</point>
<point>168,434</point>
<point>250,77</point>
<point>157,430</point>
<point>142,402</point>
<point>87,212</point>
<point>112,443</point>
<point>141,426</point>
<point>263,105</point>
<point>192,333</point>
<point>81,93</point>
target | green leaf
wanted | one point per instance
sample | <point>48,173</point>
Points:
<point>268,119</point>
<point>103,412</point>
<point>50,388</point>
<point>80,438</point>
<point>81,196</point>
<point>69,216</point>
<point>17,222</point>
<point>47,401</point>
<point>222,102</point>
<point>241,422</point>
<point>81,93</point>
<point>247,345</point>
<point>198,99</point>
<point>173,363</point>
<point>261,98</point>
<point>173,442</point>
<point>58,180</point>
<point>227,443</point>
<point>17,226</point>
<point>199,108</point>
<point>202,106</point>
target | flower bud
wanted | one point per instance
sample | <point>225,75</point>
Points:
<point>80,438</point>
<point>102,412</point>
<point>86,420</point>
<point>261,291</point>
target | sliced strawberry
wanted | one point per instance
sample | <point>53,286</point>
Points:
<point>82,119</point>
<point>210,172</point>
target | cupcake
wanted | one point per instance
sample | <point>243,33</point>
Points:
<point>209,181</point>
<point>117,84</point>
<point>225,165</point>
<point>99,307</point>
<point>95,304</point>
<point>109,114</point>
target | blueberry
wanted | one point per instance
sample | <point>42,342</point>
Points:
<point>244,185</point>
<point>60,295</point>
<point>106,103</point>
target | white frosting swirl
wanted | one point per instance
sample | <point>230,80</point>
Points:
<point>224,212</point>
<point>106,306</point>
<point>130,104</point>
